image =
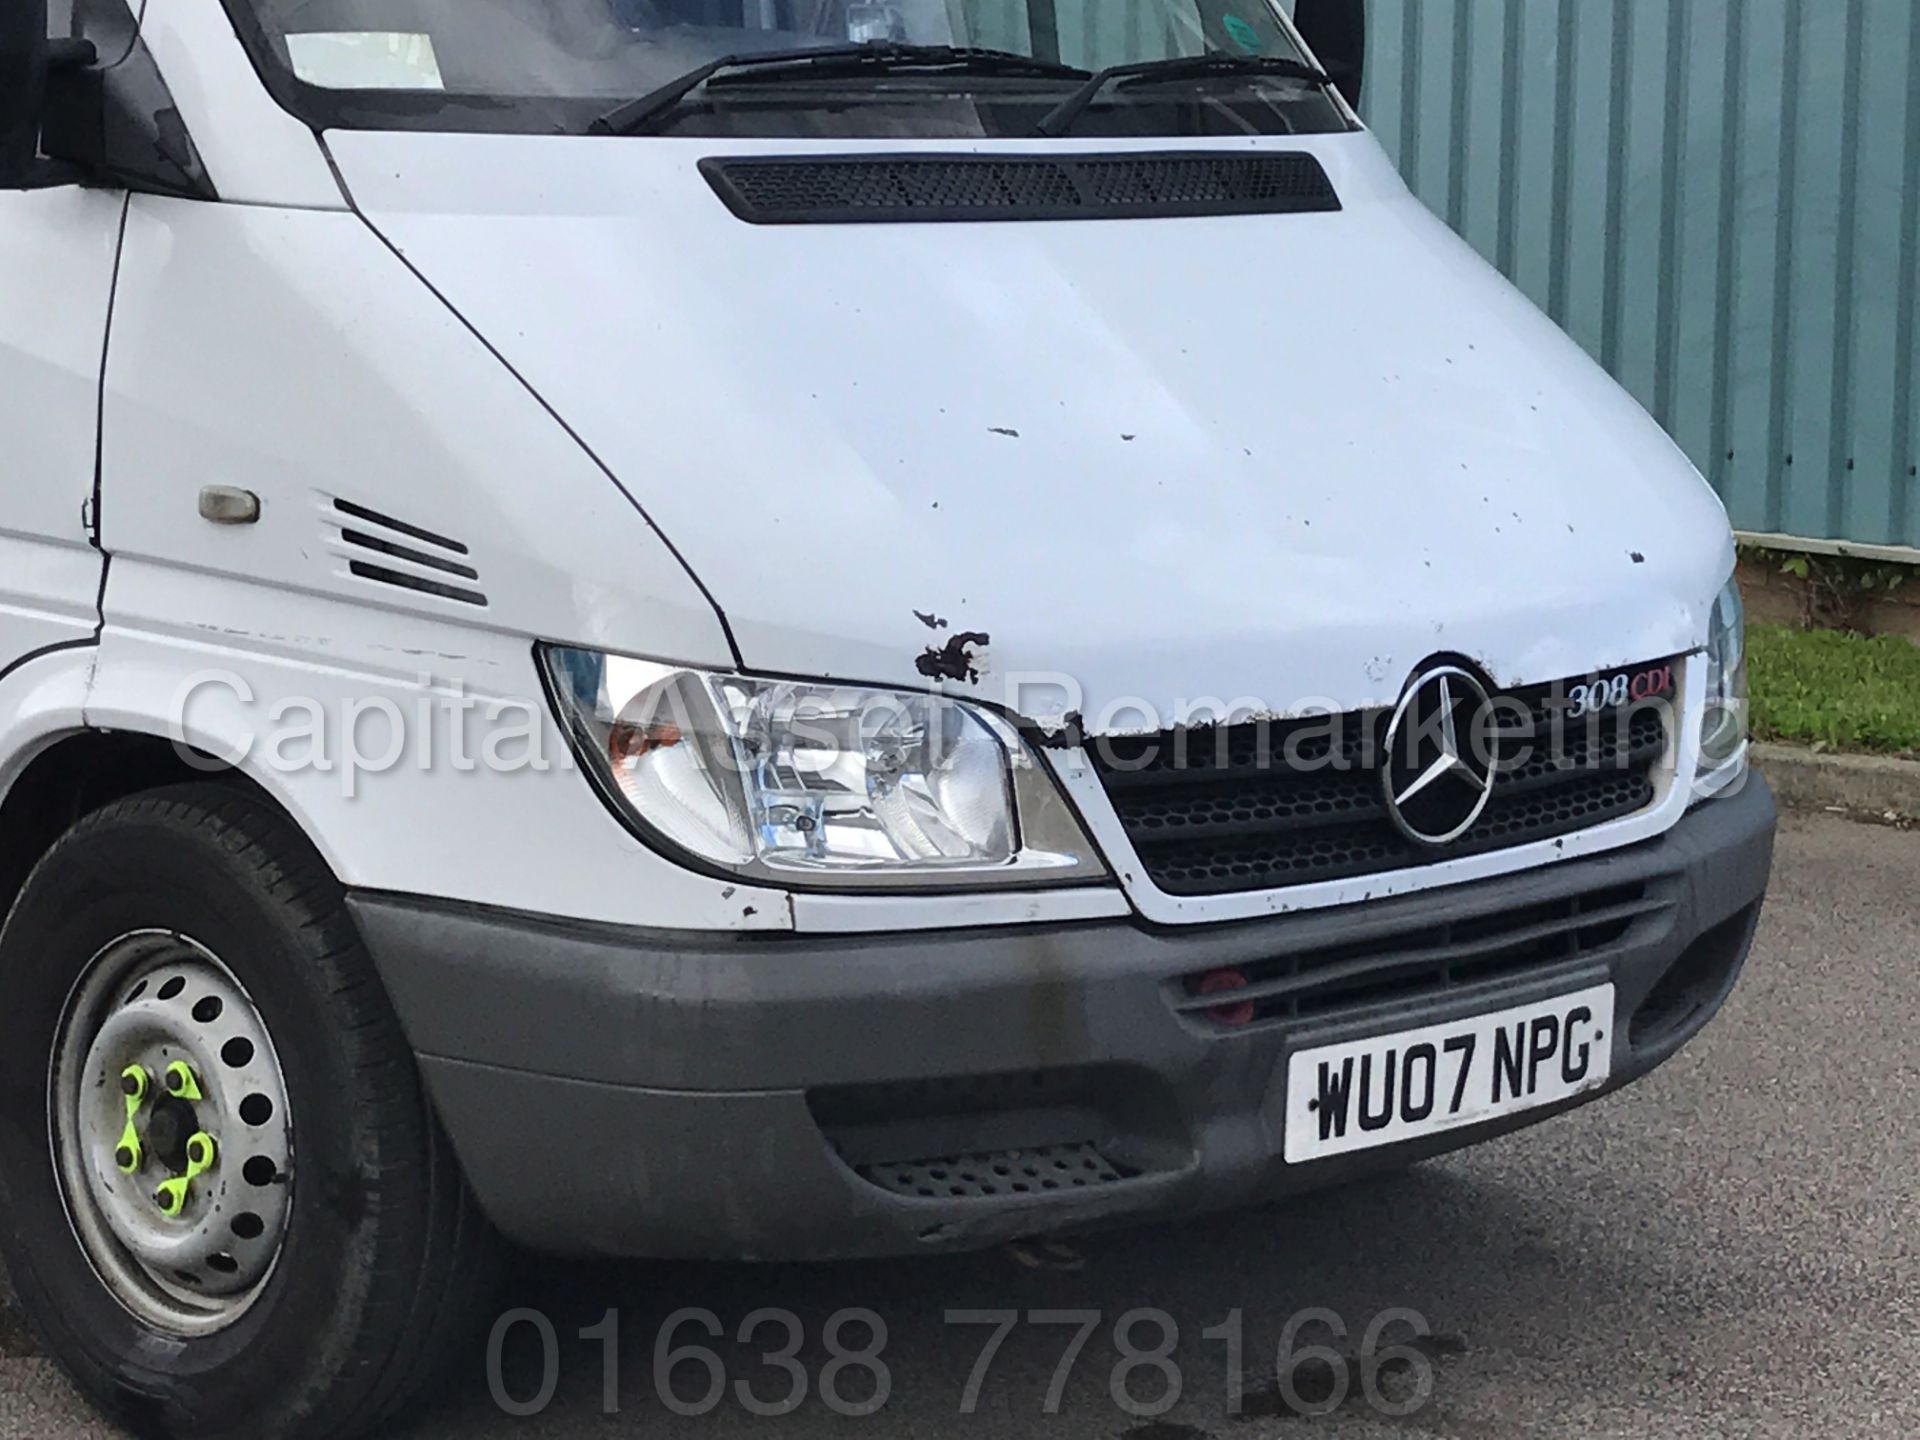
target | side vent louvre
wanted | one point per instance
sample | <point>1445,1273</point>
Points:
<point>405,551</point>
<point>875,189</point>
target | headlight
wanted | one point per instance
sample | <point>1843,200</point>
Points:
<point>1723,723</point>
<point>822,786</point>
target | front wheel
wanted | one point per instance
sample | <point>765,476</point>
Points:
<point>228,1209</point>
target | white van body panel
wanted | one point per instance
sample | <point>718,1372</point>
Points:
<point>48,588</point>
<point>240,672</point>
<point>42,702</point>
<point>255,152</point>
<point>291,354</point>
<point>57,250</point>
<point>829,914</point>
<point>1322,448</point>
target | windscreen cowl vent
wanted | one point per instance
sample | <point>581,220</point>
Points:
<point>922,189</point>
<point>386,551</point>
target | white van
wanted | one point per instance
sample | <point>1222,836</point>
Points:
<point>785,629</point>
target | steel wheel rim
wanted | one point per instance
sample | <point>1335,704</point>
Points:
<point>216,1141</point>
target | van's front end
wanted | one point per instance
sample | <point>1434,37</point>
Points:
<point>1072,655</point>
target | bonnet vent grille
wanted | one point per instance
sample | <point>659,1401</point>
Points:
<point>871,189</point>
<point>404,556</point>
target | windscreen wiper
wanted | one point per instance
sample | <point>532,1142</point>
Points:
<point>637,117</point>
<point>1060,119</point>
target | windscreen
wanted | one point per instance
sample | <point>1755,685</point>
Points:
<point>546,66</point>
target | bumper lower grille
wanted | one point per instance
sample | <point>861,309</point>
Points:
<point>1417,965</point>
<point>1271,804</point>
<point>996,1176</point>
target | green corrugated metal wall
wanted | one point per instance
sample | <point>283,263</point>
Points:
<point>1719,198</point>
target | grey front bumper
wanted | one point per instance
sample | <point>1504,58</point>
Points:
<point>632,1092</point>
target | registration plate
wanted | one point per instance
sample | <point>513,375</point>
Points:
<point>1380,1091</point>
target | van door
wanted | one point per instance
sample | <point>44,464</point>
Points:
<point>62,233</point>
<point>58,245</point>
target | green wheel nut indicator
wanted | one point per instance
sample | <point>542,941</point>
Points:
<point>173,1194</point>
<point>133,1084</point>
<point>182,1083</point>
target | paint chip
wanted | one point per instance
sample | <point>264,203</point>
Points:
<point>955,660</point>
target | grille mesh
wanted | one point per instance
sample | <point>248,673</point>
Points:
<point>1043,1169</point>
<point>1260,807</point>
<point>1282,180</point>
<point>825,190</point>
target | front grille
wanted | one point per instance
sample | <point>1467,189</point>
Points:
<point>1264,805</point>
<point>1419,964</point>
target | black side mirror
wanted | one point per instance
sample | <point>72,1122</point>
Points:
<point>23,78</point>
<point>1337,31</point>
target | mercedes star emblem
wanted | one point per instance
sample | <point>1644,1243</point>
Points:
<point>1439,770</point>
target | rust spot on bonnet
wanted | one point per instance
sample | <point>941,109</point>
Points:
<point>955,659</point>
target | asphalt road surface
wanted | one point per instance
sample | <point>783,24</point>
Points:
<point>1731,1248</point>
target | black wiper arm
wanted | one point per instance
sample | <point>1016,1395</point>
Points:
<point>827,61</point>
<point>1060,119</point>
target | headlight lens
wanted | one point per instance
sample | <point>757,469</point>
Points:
<point>1723,725</point>
<point>818,784</point>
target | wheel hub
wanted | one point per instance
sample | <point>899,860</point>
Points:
<point>172,1132</point>
<point>167,1131</point>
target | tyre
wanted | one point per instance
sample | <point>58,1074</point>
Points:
<point>225,1203</point>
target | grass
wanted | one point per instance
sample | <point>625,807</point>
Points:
<point>1840,691</point>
